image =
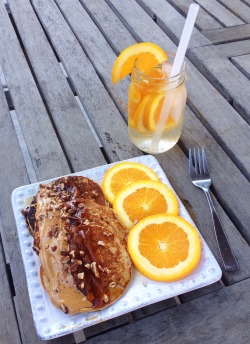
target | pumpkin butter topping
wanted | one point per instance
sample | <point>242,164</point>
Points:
<point>81,245</point>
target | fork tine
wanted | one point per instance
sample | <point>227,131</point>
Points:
<point>190,162</point>
<point>204,160</point>
<point>199,161</point>
<point>195,163</point>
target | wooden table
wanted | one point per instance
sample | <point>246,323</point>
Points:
<point>60,113</point>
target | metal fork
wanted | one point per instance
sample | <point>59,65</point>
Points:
<point>200,177</point>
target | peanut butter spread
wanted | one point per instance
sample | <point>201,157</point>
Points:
<point>81,245</point>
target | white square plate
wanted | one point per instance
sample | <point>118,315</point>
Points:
<point>51,322</point>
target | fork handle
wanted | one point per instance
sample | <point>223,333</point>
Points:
<point>226,252</point>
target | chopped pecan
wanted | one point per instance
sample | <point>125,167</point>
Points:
<point>105,298</point>
<point>72,253</point>
<point>112,284</point>
<point>107,233</point>
<point>36,249</point>
<point>94,269</point>
<point>64,308</point>
<point>80,275</point>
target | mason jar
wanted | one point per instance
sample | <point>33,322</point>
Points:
<point>150,94</point>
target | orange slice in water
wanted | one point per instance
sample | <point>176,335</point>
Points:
<point>137,120</point>
<point>134,98</point>
<point>153,111</point>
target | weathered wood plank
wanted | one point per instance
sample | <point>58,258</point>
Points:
<point>208,320</point>
<point>172,22</point>
<point>220,13</point>
<point>233,48</point>
<point>77,139</point>
<point>228,34</point>
<point>101,55</point>
<point>69,339</point>
<point>203,21</point>
<point>25,152</point>
<point>154,308</point>
<point>10,180</point>
<point>104,116</point>
<point>243,63</point>
<point>224,76</point>
<point>137,21</point>
<point>238,8</point>
<point>106,20</point>
<point>105,326</point>
<point>43,144</point>
<point>9,332</point>
<point>198,292</point>
<point>79,337</point>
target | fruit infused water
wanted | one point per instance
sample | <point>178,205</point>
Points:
<point>147,93</point>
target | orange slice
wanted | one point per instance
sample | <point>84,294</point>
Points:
<point>153,110</point>
<point>123,174</point>
<point>134,98</point>
<point>137,120</point>
<point>155,74</point>
<point>143,198</point>
<point>149,55</point>
<point>164,247</point>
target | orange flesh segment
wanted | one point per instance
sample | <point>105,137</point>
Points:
<point>160,249</point>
